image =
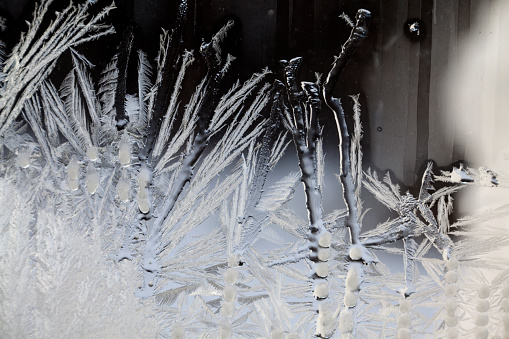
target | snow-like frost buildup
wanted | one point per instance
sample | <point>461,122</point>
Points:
<point>325,239</point>
<point>229,293</point>
<point>450,306</point>
<point>481,333</point>
<point>404,333</point>
<point>405,306</point>
<point>451,290</point>
<point>326,323</point>
<point>178,331</point>
<point>143,196</point>
<point>124,151</point>
<point>322,269</point>
<point>350,299</point>
<point>234,260</point>
<point>277,334</point>
<point>73,169</point>
<point>123,188</point>
<point>225,330</point>
<point>321,290</point>
<point>144,205</point>
<point>505,291</point>
<point>483,305</point>
<point>92,153</point>
<point>482,319</point>
<point>323,254</point>
<point>356,252</point>
<point>452,263</point>
<point>231,275</point>
<point>346,321</point>
<point>92,179</point>
<point>353,280</point>
<point>451,321</point>
<point>452,333</point>
<point>451,277</point>
<point>484,292</point>
<point>23,159</point>
<point>227,308</point>
<point>404,320</point>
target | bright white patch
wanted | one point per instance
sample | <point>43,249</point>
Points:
<point>452,263</point>
<point>451,321</point>
<point>92,153</point>
<point>404,333</point>
<point>346,321</point>
<point>321,290</point>
<point>323,254</point>
<point>225,330</point>
<point>353,280</point>
<point>178,331</point>
<point>484,292</point>
<point>322,269</point>
<point>123,188</point>
<point>124,151</point>
<point>73,169</point>
<point>404,320</point>
<point>231,275</point>
<point>277,334</point>
<point>325,239</point>
<point>92,179</point>
<point>227,308</point>
<point>451,277</point>
<point>483,305</point>
<point>350,299</point>
<point>451,290</point>
<point>450,306</point>
<point>23,159</point>
<point>233,260</point>
<point>356,252</point>
<point>405,306</point>
<point>482,319</point>
<point>229,293</point>
<point>326,322</point>
<point>144,205</point>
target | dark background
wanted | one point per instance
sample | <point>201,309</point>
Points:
<point>399,80</point>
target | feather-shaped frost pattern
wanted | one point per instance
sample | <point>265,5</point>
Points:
<point>279,193</point>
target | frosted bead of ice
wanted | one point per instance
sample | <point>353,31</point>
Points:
<point>73,184</point>
<point>92,179</point>
<point>451,321</point>
<point>404,320</point>
<point>405,306</point>
<point>326,322</point>
<point>483,305</point>
<point>229,293</point>
<point>144,205</point>
<point>352,279</point>
<point>452,333</point>
<point>481,333</point>
<point>404,333</point>
<point>325,239</point>
<point>451,277</point>
<point>323,254</point>
<point>123,188</point>
<point>322,269</point>
<point>92,153</point>
<point>505,304</point>
<point>450,307</point>
<point>231,275</point>
<point>178,331</point>
<point>225,330</point>
<point>484,292</point>
<point>321,290</point>
<point>452,263</point>
<point>23,159</point>
<point>346,321</point>
<point>124,152</point>
<point>355,252</point>
<point>73,169</point>
<point>350,299</point>
<point>233,260</point>
<point>451,290</point>
<point>482,319</point>
<point>277,334</point>
<point>142,193</point>
<point>505,320</point>
<point>505,291</point>
<point>227,308</point>
<point>293,336</point>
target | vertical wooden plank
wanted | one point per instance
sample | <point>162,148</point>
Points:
<point>443,55</point>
